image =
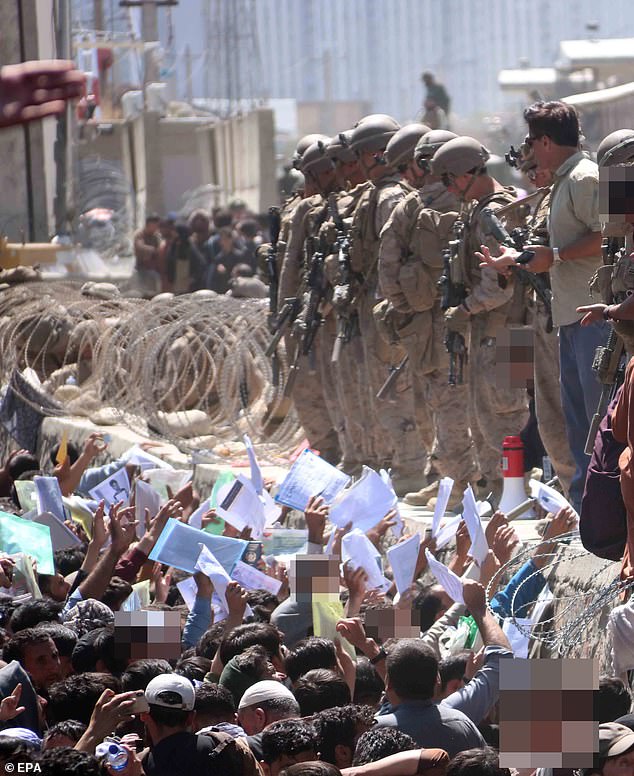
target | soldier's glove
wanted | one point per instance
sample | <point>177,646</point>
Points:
<point>457,319</point>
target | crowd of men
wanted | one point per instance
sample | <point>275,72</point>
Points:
<point>408,246</point>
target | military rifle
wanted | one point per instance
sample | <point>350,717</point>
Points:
<point>386,391</point>
<point>453,295</point>
<point>516,239</point>
<point>271,264</point>
<point>608,362</point>
<point>341,295</point>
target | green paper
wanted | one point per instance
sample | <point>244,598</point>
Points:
<point>34,539</point>
<point>224,478</point>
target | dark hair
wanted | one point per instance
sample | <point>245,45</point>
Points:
<point>96,645</point>
<point>71,450</point>
<point>313,768</point>
<point>452,667</point>
<point>15,647</point>
<point>222,218</point>
<point>253,662</point>
<point>116,593</point>
<point>69,560</point>
<point>380,742</point>
<point>611,701</point>
<point>477,762</point>
<point>75,697</point>
<point>70,728</point>
<point>243,636</point>
<point>25,462</point>
<point>321,689</point>
<point>412,669</point>
<point>15,750</point>
<point>194,667</point>
<point>215,702</point>
<point>428,604</point>
<point>69,762</point>
<point>140,673</point>
<point>282,708</point>
<point>171,718</point>
<point>210,640</point>
<point>153,218</point>
<point>339,726</point>
<point>65,639</point>
<point>249,228</point>
<point>310,653</point>
<point>556,119</point>
<point>32,613</point>
<point>368,685</point>
<point>288,737</point>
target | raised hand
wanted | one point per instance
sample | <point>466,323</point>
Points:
<point>380,529</point>
<point>316,513</point>
<point>161,583</point>
<point>504,541</point>
<point>498,519</point>
<point>9,708</point>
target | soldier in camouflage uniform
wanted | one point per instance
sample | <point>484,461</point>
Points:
<point>404,450</point>
<point>313,409</point>
<point>410,265</point>
<point>496,411</point>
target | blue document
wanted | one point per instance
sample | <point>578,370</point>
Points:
<point>178,546</point>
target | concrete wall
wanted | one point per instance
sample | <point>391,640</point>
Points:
<point>27,150</point>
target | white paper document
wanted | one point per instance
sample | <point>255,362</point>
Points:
<point>444,491</point>
<point>253,579</point>
<point>479,546</point>
<point>310,476</point>
<point>145,498</point>
<point>397,529</point>
<point>196,517</point>
<point>188,589</point>
<point>210,567</point>
<point>360,552</point>
<point>403,558</point>
<point>365,503</point>
<point>61,536</point>
<point>447,532</point>
<point>549,498</point>
<point>241,507</point>
<point>256,473</point>
<point>48,497</point>
<point>450,582</point>
<point>113,489</point>
<point>139,457</point>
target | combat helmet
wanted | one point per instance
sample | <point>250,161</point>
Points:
<point>616,148</point>
<point>302,145</point>
<point>400,149</point>
<point>459,156</point>
<point>372,133</point>
<point>315,160</point>
<point>338,149</point>
<point>429,143</point>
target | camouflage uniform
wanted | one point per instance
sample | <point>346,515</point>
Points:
<point>550,416</point>
<point>495,411</point>
<point>404,449</point>
<point>410,265</point>
<point>313,410</point>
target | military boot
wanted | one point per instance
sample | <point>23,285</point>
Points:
<point>419,498</point>
<point>404,483</point>
<point>455,498</point>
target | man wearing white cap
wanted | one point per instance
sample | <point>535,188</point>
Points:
<point>265,702</point>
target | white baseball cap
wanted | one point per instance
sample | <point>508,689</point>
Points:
<point>266,690</point>
<point>172,692</point>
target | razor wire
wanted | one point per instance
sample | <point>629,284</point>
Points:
<point>573,615</point>
<point>164,366</point>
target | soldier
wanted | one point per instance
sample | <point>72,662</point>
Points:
<point>403,448</point>
<point>496,411</point>
<point>410,265</point>
<point>314,410</point>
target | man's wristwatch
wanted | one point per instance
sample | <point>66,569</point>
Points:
<point>556,257</point>
<point>380,655</point>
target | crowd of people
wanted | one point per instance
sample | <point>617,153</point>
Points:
<point>216,251</point>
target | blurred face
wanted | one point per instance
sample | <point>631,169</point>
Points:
<point>252,719</point>
<point>152,227</point>
<point>54,742</point>
<point>457,184</point>
<point>289,759</point>
<point>58,588</point>
<point>226,243</point>
<point>41,662</point>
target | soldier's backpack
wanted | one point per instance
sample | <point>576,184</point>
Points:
<point>603,519</point>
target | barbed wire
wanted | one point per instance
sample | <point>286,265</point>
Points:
<point>190,369</point>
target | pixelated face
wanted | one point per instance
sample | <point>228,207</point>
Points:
<point>314,574</point>
<point>545,712</point>
<point>392,623</point>
<point>147,634</point>
<point>616,194</point>
<point>514,358</point>
<point>41,662</point>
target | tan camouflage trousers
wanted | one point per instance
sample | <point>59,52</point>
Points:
<point>310,402</point>
<point>495,411</point>
<point>550,416</point>
<point>393,423</point>
<point>454,454</point>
